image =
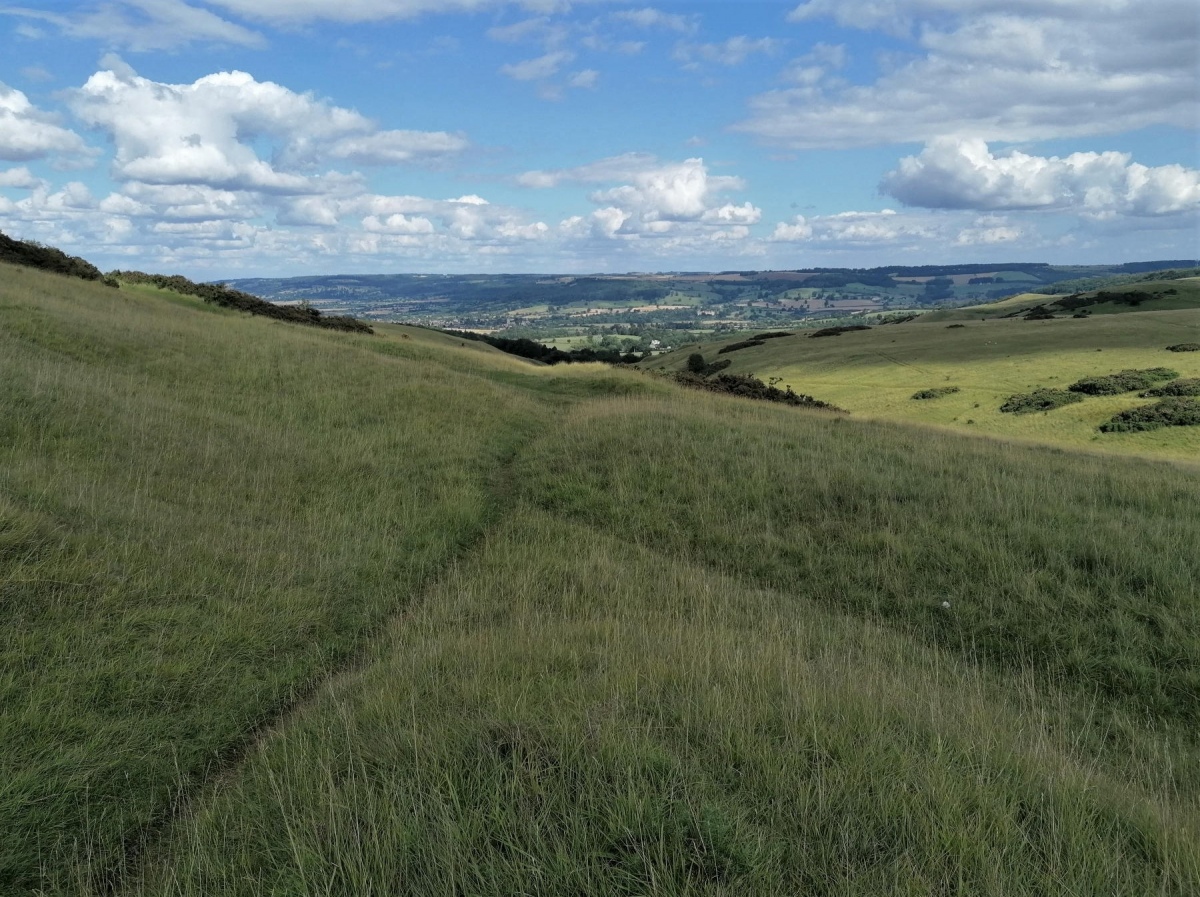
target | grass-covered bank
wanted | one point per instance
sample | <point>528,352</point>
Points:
<point>399,615</point>
<point>202,512</point>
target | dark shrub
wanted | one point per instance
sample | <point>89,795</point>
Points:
<point>774,334</point>
<point>1122,381</point>
<point>744,344</point>
<point>838,331</point>
<point>748,387</point>
<point>225,297</point>
<point>954,326</point>
<point>1173,412</point>
<point>697,365</point>
<point>935,393</point>
<point>46,258</point>
<point>1187,387</point>
<point>1040,400</point>
<point>1184,347</point>
<point>527,348</point>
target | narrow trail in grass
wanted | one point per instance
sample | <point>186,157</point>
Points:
<point>227,765</point>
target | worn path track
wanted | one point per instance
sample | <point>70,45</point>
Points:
<point>225,767</point>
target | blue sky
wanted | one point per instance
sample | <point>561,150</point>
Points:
<point>275,137</point>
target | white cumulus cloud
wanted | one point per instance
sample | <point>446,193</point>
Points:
<point>885,227</point>
<point>28,133</point>
<point>205,132</point>
<point>20,178</point>
<point>957,173</point>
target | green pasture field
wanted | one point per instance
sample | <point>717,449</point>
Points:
<point>290,611</point>
<point>1185,295</point>
<point>874,373</point>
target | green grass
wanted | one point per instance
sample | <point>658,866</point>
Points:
<point>1158,295</point>
<point>294,612</point>
<point>874,373</point>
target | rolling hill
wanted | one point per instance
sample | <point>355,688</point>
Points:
<point>291,610</point>
<point>986,355</point>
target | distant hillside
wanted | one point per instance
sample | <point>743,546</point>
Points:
<point>957,369</point>
<point>1178,290</point>
<point>675,300</point>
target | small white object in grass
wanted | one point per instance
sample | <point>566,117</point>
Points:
<point>945,605</point>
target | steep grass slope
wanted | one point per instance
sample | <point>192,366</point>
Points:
<point>875,373</point>
<point>294,612</point>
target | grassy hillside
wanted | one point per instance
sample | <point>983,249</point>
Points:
<point>1143,295</point>
<point>875,373</point>
<point>302,612</point>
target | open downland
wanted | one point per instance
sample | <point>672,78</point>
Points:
<point>298,612</point>
<point>874,373</point>
<point>1155,295</point>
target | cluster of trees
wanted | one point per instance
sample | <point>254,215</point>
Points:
<point>46,258</point>
<point>527,348</point>
<point>225,297</point>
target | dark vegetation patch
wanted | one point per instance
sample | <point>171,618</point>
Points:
<point>531,349</point>
<point>1172,412</point>
<point>954,326</point>
<point>748,387</point>
<point>217,294</point>
<point>1040,400</point>
<point>838,331</point>
<point>774,334</point>
<point>1131,272</point>
<point>1040,313</point>
<point>744,344</point>
<point>935,393</point>
<point>697,365</point>
<point>31,254</point>
<point>1185,387</point>
<point>1122,381</point>
<point>1184,347</point>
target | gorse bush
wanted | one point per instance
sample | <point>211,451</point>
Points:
<point>697,365</point>
<point>935,393</point>
<point>1122,381</point>
<point>225,297</point>
<point>1171,412</point>
<point>1039,400</point>
<point>744,344</point>
<point>838,331</point>
<point>523,347</point>
<point>30,254</point>
<point>748,387</point>
<point>1184,347</point>
<point>1185,387</point>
